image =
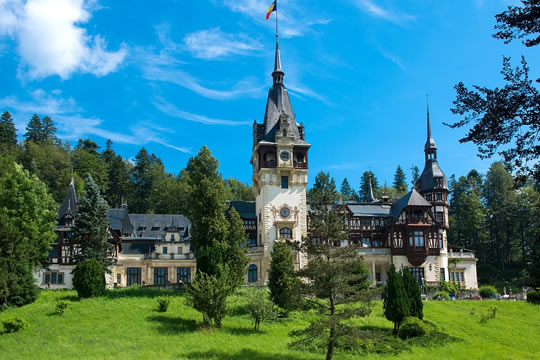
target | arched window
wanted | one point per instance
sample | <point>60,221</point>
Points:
<point>252,273</point>
<point>285,233</point>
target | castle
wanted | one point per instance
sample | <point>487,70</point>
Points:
<point>411,231</point>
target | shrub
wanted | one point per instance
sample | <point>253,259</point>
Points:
<point>260,307</point>
<point>412,327</point>
<point>89,279</point>
<point>533,297</point>
<point>61,307</point>
<point>487,291</point>
<point>163,303</point>
<point>15,324</point>
<point>449,287</point>
<point>490,314</point>
<point>441,295</point>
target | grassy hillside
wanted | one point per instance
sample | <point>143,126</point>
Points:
<point>126,325</point>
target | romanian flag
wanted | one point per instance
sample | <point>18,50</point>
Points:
<point>271,9</point>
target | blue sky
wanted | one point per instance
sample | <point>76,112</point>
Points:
<point>174,75</point>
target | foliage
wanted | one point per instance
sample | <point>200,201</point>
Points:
<point>14,324</point>
<point>34,130</point>
<point>234,249</point>
<point>236,190</point>
<point>163,303</point>
<point>91,229</point>
<point>415,174</point>
<point>282,281</point>
<point>61,307</point>
<point>346,191</point>
<point>507,118</point>
<point>338,293</point>
<point>89,279</point>
<point>365,180</point>
<point>533,297</point>
<point>412,327</point>
<point>412,289</point>
<point>260,307</point>
<point>208,295</point>
<point>8,134</point>
<point>488,315</point>
<point>396,303</point>
<point>441,295</point>
<point>400,181</point>
<point>87,162</point>
<point>487,291</point>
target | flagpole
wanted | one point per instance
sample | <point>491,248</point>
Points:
<point>276,22</point>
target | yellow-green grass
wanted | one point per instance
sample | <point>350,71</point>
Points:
<point>126,325</point>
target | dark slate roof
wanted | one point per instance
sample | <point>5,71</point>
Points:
<point>426,181</point>
<point>159,222</point>
<point>412,198</point>
<point>139,247</point>
<point>278,102</point>
<point>363,209</point>
<point>70,203</point>
<point>246,209</point>
<point>119,216</point>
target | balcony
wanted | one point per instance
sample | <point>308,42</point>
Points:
<point>256,249</point>
<point>269,164</point>
<point>461,255</point>
<point>300,165</point>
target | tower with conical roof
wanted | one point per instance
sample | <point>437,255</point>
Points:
<point>280,174</point>
<point>432,183</point>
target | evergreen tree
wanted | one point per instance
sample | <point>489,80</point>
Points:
<point>143,181</point>
<point>87,161</point>
<point>368,176</point>
<point>91,227</point>
<point>415,175</point>
<point>120,188</point>
<point>236,190</point>
<point>282,280</point>
<point>49,130</point>
<point>8,134</point>
<point>396,304</point>
<point>412,289</point>
<point>328,273</point>
<point>235,249</point>
<point>34,130</point>
<point>400,183</point>
<point>27,228</point>
<point>347,192</point>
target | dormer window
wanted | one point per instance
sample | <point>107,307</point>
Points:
<point>155,228</point>
<point>172,237</point>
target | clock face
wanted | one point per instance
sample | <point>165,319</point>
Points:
<point>284,155</point>
<point>285,212</point>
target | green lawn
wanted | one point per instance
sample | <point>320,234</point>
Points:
<point>126,325</point>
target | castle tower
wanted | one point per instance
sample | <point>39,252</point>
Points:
<point>280,173</point>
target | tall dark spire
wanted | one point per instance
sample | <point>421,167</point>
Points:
<point>371,197</point>
<point>430,143</point>
<point>277,74</point>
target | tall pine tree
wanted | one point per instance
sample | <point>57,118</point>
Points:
<point>396,303</point>
<point>48,130</point>
<point>415,174</point>
<point>400,182</point>
<point>282,280</point>
<point>8,134</point>
<point>412,288</point>
<point>34,130</point>
<point>368,176</point>
<point>347,192</point>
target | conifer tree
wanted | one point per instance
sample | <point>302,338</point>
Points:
<point>347,191</point>
<point>235,249</point>
<point>415,175</point>
<point>328,273</point>
<point>282,280</point>
<point>396,304</point>
<point>412,288</point>
<point>48,130</point>
<point>8,134</point>
<point>400,183</point>
<point>91,227</point>
<point>34,130</point>
<point>368,176</point>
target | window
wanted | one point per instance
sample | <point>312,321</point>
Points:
<point>441,242</point>
<point>365,241</point>
<point>161,276</point>
<point>378,276</point>
<point>183,274</point>
<point>172,237</point>
<point>118,278</point>
<point>438,196</point>
<point>416,238</point>
<point>252,242</point>
<point>252,273</point>
<point>418,273</point>
<point>443,278</point>
<point>164,250</point>
<point>133,276</point>
<point>284,182</point>
<point>155,228</point>
<point>285,233</point>
<point>377,243</point>
<point>428,197</point>
<point>53,277</point>
<point>439,217</point>
<point>451,276</point>
<point>180,250</point>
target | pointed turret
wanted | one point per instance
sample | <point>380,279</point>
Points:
<point>371,198</point>
<point>70,203</point>
<point>430,146</point>
<point>277,74</point>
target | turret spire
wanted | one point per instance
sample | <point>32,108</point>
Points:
<point>277,74</point>
<point>430,148</point>
<point>371,197</point>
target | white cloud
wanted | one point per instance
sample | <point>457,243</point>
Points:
<point>295,20</point>
<point>51,40</point>
<point>171,110</point>
<point>215,44</point>
<point>373,9</point>
<point>72,125</point>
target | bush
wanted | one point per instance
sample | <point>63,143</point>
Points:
<point>449,287</point>
<point>15,324</point>
<point>487,291</point>
<point>533,297</point>
<point>441,295</point>
<point>61,307</point>
<point>490,314</point>
<point>260,307</point>
<point>412,327</point>
<point>89,279</point>
<point>163,303</point>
